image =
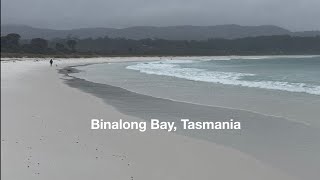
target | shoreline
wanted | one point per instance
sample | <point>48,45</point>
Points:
<point>247,140</point>
<point>51,133</point>
<point>73,69</point>
<point>263,101</point>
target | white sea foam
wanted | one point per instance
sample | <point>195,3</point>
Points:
<point>173,69</point>
<point>222,58</point>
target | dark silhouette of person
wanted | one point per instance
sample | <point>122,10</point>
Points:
<point>51,61</point>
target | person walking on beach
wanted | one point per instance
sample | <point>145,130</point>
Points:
<point>51,61</point>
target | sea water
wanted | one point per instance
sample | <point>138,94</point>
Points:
<point>284,86</point>
<point>276,99</point>
<point>293,74</point>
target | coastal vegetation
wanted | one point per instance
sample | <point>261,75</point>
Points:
<point>12,45</point>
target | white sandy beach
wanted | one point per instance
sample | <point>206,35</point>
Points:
<point>45,134</point>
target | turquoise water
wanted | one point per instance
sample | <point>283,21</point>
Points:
<point>292,74</point>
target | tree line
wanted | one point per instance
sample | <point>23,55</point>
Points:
<point>12,43</point>
<point>268,45</point>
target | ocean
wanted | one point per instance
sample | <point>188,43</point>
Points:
<point>293,74</point>
<point>284,86</point>
<point>276,99</point>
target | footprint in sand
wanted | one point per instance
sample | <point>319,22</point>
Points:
<point>77,140</point>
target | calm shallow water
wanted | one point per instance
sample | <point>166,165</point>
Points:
<point>295,106</point>
<point>289,143</point>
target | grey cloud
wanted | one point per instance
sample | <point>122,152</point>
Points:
<point>66,14</point>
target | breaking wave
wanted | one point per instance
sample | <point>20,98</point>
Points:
<point>173,69</point>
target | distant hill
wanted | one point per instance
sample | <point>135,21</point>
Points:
<point>168,33</point>
<point>306,33</point>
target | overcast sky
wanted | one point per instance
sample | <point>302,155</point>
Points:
<point>66,14</point>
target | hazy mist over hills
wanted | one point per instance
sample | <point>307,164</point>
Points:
<point>295,15</point>
<point>169,33</point>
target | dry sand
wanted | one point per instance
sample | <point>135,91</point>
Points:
<point>45,134</point>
